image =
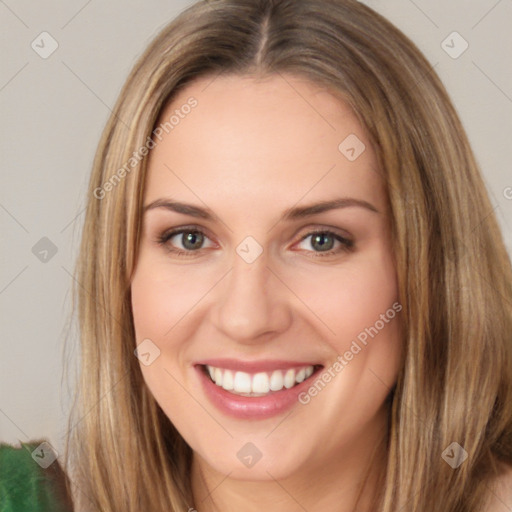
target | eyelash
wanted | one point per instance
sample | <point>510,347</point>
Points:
<point>346,244</point>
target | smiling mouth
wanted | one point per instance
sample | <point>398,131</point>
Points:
<point>260,383</point>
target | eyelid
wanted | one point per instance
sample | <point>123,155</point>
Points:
<point>312,228</point>
<point>323,228</point>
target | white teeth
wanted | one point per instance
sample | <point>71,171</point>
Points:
<point>227,380</point>
<point>301,375</point>
<point>260,383</point>
<point>289,378</point>
<point>242,383</point>
<point>276,381</point>
<point>218,376</point>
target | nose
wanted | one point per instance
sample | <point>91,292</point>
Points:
<point>251,302</point>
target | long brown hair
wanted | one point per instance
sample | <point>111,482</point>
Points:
<point>454,273</point>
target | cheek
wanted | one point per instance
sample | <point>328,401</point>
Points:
<point>150,307</point>
<point>158,303</point>
<point>362,302</point>
<point>160,298</point>
<point>351,298</point>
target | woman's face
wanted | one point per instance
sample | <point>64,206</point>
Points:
<point>266,261</point>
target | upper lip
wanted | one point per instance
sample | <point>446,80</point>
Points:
<point>265,365</point>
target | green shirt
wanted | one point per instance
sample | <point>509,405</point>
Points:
<point>26,485</point>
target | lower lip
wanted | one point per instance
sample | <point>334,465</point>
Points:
<point>259,407</point>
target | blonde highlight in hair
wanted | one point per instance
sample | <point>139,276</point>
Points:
<point>454,273</point>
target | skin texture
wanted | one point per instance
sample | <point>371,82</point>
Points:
<point>250,150</point>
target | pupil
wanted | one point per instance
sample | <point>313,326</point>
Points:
<point>192,238</point>
<point>321,239</point>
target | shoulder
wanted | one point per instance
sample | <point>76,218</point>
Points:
<point>31,479</point>
<point>500,499</point>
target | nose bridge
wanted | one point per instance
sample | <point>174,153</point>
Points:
<point>249,304</point>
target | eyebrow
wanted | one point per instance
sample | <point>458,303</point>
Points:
<point>295,213</point>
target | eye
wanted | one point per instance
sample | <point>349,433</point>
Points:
<point>191,240</point>
<point>323,241</point>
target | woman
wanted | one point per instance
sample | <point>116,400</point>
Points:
<point>293,292</point>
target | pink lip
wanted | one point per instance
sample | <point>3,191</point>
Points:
<point>254,366</point>
<point>244,407</point>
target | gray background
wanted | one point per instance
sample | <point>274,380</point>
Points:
<point>53,111</point>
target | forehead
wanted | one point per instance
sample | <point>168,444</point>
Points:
<point>279,139</point>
